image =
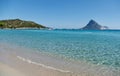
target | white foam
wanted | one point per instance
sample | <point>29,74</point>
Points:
<point>42,65</point>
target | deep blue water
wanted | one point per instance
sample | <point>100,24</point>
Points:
<point>98,47</point>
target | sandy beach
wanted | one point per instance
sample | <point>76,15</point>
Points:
<point>11,65</point>
<point>23,69</point>
<point>9,71</point>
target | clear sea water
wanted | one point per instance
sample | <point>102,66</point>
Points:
<point>97,47</point>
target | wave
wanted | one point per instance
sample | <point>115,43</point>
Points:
<point>42,65</point>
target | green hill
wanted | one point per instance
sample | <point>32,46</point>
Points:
<point>17,23</point>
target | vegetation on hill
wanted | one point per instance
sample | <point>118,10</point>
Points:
<point>17,23</point>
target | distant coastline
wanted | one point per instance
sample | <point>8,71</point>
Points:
<point>23,24</point>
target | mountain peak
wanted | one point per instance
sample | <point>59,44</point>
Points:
<point>93,25</point>
<point>92,20</point>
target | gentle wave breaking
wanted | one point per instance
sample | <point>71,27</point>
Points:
<point>42,65</point>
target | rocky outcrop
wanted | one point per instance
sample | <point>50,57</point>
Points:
<point>93,25</point>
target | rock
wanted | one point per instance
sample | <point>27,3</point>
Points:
<point>93,25</point>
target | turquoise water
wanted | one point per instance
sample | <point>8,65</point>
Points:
<point>97,47</point>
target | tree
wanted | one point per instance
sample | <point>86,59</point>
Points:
<point>1,26</point>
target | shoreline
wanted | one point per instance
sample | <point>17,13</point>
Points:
<point>42,65</point>
<point>11,60</point>
<point>27,69</point>
<point>24,62</point>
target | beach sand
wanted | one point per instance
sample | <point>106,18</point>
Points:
<point>8,71</point>
<point>10,65</point>
<point>20,68</point>
<point>25,69</point>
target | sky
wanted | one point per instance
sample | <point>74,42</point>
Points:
<point>63,13</point>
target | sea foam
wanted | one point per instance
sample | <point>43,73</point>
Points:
<point>39,64</point>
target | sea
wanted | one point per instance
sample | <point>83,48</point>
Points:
<point>96,47</point>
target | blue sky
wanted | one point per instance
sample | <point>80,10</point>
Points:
<point>63,13</point>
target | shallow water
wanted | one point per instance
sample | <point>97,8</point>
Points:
<point>97,47</point>
<point>15,55</point>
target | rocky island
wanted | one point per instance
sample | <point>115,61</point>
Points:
<point>93,25</point>
<point>20,24</point>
